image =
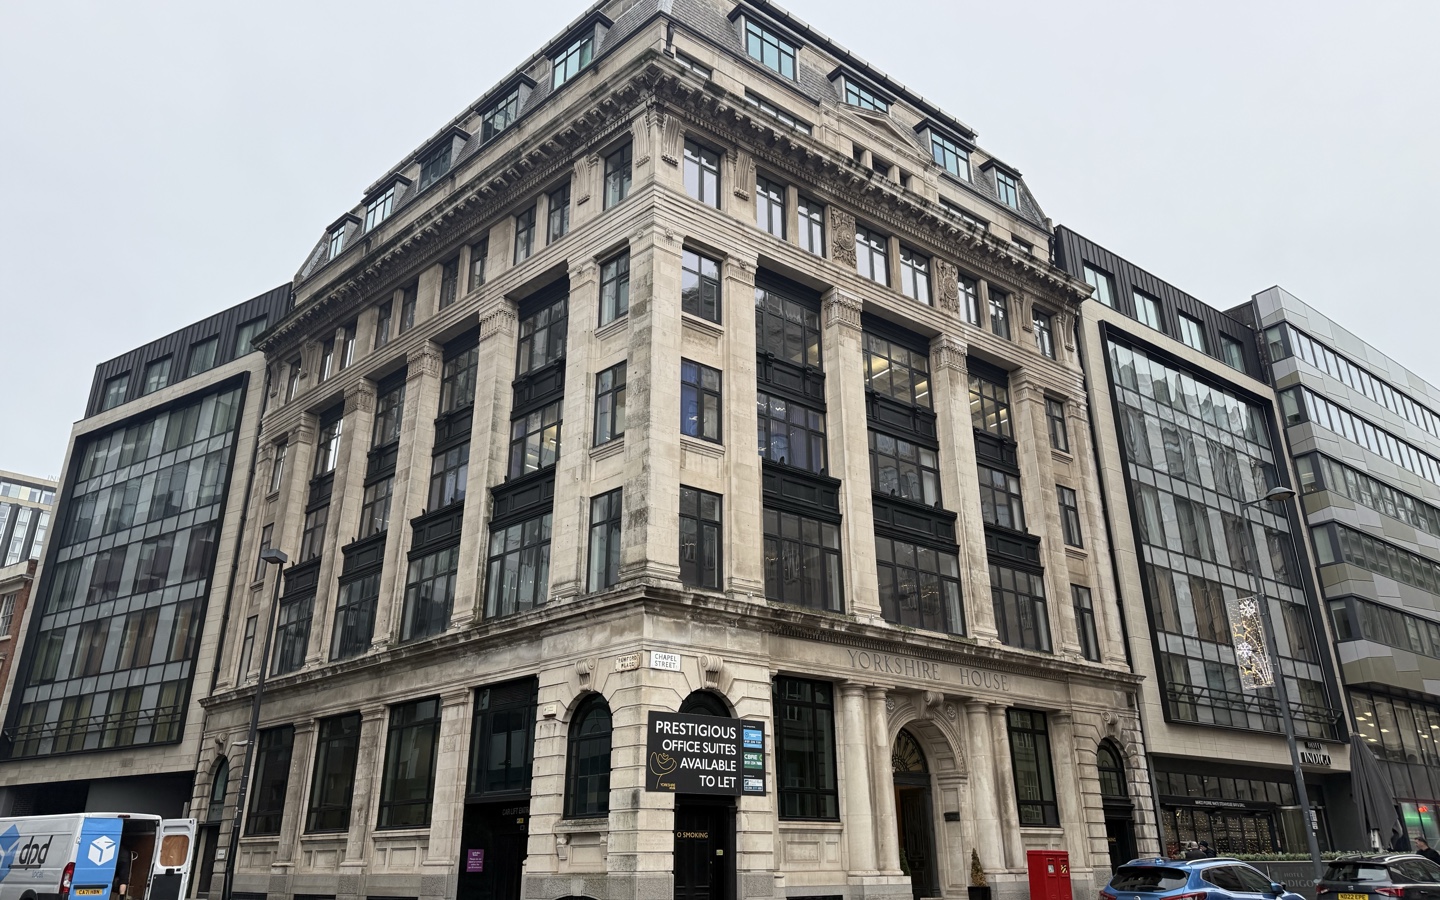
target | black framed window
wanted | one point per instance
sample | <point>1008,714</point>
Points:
<point>1000,313</point>
<point>500,116</point>
<point>327,361</point>
<point>502,739</point>
<point>327,447</point>
<point>558,203</point>
<point>700,285</point>
<point>157,375</point>
<point>861,96</point>
<point>587,772</point>
<point>267,534</point>
<point>535,440</point>
<point>355,617</point>
<point>770,206</point>
<point>1103,284</point>
<point>786,328</point>
<point>1030,760</point>
<point>204,355</point>
<point>1147,310</point>
<point>1007,189</point>
<point>901,468</point>
<point>219,786</point>
<point>449,471</point>
<point>312,535</point>
<point>429,593</point>
<point>375,507</point>
<point>605,513</point>
<point>895,371</point>
<point>1085,622</point>
<point>479,252</point>
<point>449,282</point>
<point>872,255</point>
<point>1044,325</point>
<point>914,275</point>
<point>434,166</point>
<point>702,173</point>
<point>805,749</point>
<point>1055,421</point>
<point>950,156</point>
<point>990,407</point>
<point>1000,500</point>
<point>292,382</point>
<point>700,538</point>
<point>378,209</point>
<point>802,561</point>
<point>518,569</point>
<point>1233,352</point>
<point>409,297</point>
<point>919,586</point>
<point>812,225</point>
<point>1069,516</point>
<point>524,235</point>
<point>542,337</point>
<point>407,786</point>
<point>337,747</point>
<point>614,288</point>
<point>570,63</point>
<point>292,634</point>
<point>1020,612</point>
<point>1191,332</point>
<point>610,404</point>
<point>699,401</point>
<point>384,315</point>
<point>790,433</point>
<point>769,49</point>
<point>1109,762</point>
<point>457,381</point>
<point>617,176</point>
<point>272,776</point>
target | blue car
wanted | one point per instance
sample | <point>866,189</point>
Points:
<point>1214,878</point>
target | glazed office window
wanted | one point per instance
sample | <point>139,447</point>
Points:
<point>272,773</point>
<point>449,282</point>
<point>863,97</point>
<point>292,634</point>
<point>1085,622</point>
<point>434,166</point>
<point>1030,760</point>
<point>811,214</point>
<point>1055,422</point>
<point>277,467</point>
<point>572,61</point>
<point>542,337</point>
<point>999,313</point>
<point>219,786</point>
<point>617,176</point>
<point>407,786</point>
<point>1069,516</point>
<point>770,206</point>
<point>1192,332</point>
<point>1323,473</point>
<point>950,156</point>
<point>919,586</point>
<point>790,433</point>
<point>1000,502</point>
<point>587,770</point>
<point>702,173</point>
<point>990,407</point>
<point>292,383</point>
<point>337,242</point>
<point>327,447</point>
<point>502,740</point>
<point>872,255</point>
<point>1007,189</point>
<point>1044,325</point>
<point>449,470</point>
<point>604,567</point>
<point>518,568</point>
<point>378,210</point>
<point>769,49</point>
<point>787,329</point>
<point>969,299</point>
<point>429,593</point>
<point>614,288</point>
<point>700,401</point>
<point>355,617</point>
<point>1109,763</point>
<point>408,300</point>
<point>389,413</point>
<point>7,612</point>
<point>701,537</point>
<point>337,749</point>
<point>384,318</point>
<point>914,275</point>
<point>805,778</point>
<point>699,285</point>
<point>457,381</point>
<point>1102,283</point>
<point>312,535</point>
<point>1020,612</point>
<point>610,404</point>
<point>901,468</point>
<point>558,203</point>
<point>1147,310</point>
<point>478,254</point>
<point>1233,352</point>
<point>203,355</point>
<point>327,361</point>
<point>157,375</point>
<point>802,561</point>
<point>895,371</point>
<point>770,109</point>
<point>347,346</point>
<point>524,235</point>
<point>500,116</point>
<point>535,440</point>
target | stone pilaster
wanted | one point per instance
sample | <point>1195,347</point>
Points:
<point>297,796</point>
<point>363,799</point>
<point>346,494</point>
<point>859,816</point>
<point>448,806</point>
<point>1005,788</point>
<point>1064,761</point>
<point>745,556</point>
<point>984,802</point>
<point>882,780</point>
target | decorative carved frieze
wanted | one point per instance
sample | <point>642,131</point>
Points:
<point>500,322</point>
<point>360,397</point>
<point>842,236</point>
<point>948,352</point>
<point>843,310</point>
<point>423,362</point>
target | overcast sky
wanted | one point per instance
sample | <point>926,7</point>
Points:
<point>165,161</point>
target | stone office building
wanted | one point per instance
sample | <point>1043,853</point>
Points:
<point>118,641</point>
<point>1189,440</point>
<point>698,366</point>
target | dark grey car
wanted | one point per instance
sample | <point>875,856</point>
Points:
<point>1378,877</point>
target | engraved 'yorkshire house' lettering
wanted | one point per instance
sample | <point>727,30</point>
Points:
<point>908,667</point>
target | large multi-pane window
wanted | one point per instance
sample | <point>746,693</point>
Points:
<point>805,778</point>
<point>787,329</point>
<point>617,176</point>
<point>502,740</point>
<point>872,258</point>
<point>337,242</point>
<point>767,47</point>
<point>429,593</point>
<point>535,440</point>
<point>791,433</point>
<point>919,586</point>
<point>501,114</point>
<point>572,60</point>
<point>272,774</point>
<point>1020,612</point>
<point>542,337</point>
<point>1034,776</point>
<point>914,275</point>
<point>337,748</point>
<point>610,404</point>
<point>1321,473</point>
<point>518,570</point>
<point>292,633</point>
<point>407,785</point>
<point>699,401</point>
<point>355,617</point>
<point>950,156</point>
<point>857,94</point>
<point>894,371</point>
<point>448,473</point>
<point>378,209</point>
<point>702,173</point>
<point>990,407</point>
<point>770,206</point>
<point>605,516</point>
<point>1301,404</point>
<point>699,285</point>
<point>1000,502</point>
<point>587,770</point>
<point>700,538</point>
<point>903,468</point>
<point>1085,622</point>
<point>802,561</point>
<point>614,288</point>
<point>812,225</point>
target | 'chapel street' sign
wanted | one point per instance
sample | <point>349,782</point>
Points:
<point>687,754</point>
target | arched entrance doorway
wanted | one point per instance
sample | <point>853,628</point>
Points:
<point>1119,811</point>
<point>913,814</point>
<point>704,827</point>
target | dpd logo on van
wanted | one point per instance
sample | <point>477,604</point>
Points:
<point>32,853</point>
<point>102,850</point>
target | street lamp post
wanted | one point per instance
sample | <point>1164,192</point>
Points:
<point>1278,679</point>
<point>274,557</point>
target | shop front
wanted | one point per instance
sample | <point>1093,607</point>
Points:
<point>1248,810</point>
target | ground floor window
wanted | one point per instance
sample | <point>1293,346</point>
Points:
<point>409,778</point>
<point>805,749</point>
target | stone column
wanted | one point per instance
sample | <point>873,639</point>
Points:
<point>1067,787</point>
<point>297,794</point>
<point>363,799</point>
<point>412,484</point>
<point>1005,788</point>
<point>984,802</point>
<point>447,807</point>
<point>743,514</point>
<point>346,493</point>
<point>882,785</point>
<point>859,816</point>
<point>848,435</point>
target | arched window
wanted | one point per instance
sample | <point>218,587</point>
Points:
<point>1112,771</point>
<point>705,703</point>
<point>907,757</point>
<point>587,780</point>
<point>219,784</point>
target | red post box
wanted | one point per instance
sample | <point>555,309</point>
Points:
<point>1049,874</point>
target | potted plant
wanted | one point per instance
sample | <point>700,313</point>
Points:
<point>979,888</point>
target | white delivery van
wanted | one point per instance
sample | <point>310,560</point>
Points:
<point>78,856</point>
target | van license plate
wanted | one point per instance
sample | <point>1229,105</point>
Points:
<point>1354,897</point>
<point>89,892</point>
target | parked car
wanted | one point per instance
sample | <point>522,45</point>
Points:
<point>1382,875</point>
<point>1214,878</point>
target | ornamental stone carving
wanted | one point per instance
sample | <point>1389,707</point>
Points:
<point>585,670</point>
<point>360,397</point>
<point>710,668</point>
<point>948,352</point>
<point>744,173</point>
<point>672,136</point>
<point>947,286</point>
<point>423,362</point>
<point>842,309</point>
<point>499,322</point>
<point>842,236</point>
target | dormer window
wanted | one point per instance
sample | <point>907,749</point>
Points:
<point>573,60</point>
<point>950,156</point>
<point>500,116</point>
<point>434,166</point>
<point>769,49</point>
<point>1007,189</point>
<point>337,241</point>
<point>378,210</point>
<point>857,94</point>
